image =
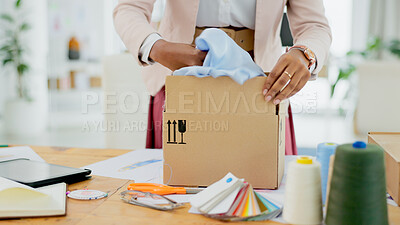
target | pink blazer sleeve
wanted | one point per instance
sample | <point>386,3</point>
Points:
<point>132,23</point>
<point>310,28</point>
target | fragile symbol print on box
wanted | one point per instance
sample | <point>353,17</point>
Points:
<point>172,139</point>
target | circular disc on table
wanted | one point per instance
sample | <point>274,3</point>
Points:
<point>87,194</point>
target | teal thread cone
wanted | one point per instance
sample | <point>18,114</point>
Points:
<point>324,152</point>
<point>358,186</point>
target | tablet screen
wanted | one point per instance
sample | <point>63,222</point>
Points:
<point>28,171</point>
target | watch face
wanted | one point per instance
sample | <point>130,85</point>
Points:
<point>310,55</point>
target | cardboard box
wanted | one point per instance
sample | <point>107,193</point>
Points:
<point>213,126</point>
<point>390,142</point>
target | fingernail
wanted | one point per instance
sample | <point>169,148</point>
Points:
<point>268,98</point>
<point>265,91</point>
<point>276,101</point>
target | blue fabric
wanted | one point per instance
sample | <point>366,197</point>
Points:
<point>224,58</point>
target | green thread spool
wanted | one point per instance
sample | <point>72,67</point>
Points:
<point>358,186</point>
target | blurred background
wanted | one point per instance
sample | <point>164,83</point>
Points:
<point>71,83</point>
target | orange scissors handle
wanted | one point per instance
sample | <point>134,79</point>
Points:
<point>159,189</point>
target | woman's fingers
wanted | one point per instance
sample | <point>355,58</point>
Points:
<point>280,84</point>
<point>176,55</point>
<point>299,86</point>
<point>201,55</point>
<point>275,74</point>
<point>290,67</point>
<point>302,75</point>
<point>290,87</point>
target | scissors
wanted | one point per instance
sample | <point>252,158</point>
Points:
<point>161,189</point>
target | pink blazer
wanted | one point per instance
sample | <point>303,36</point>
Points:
<point>307,20</point>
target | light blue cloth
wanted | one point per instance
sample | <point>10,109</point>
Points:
<point>224,58</point>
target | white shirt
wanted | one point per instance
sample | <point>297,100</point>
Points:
<point>224,13</point>
<point>212,13</point>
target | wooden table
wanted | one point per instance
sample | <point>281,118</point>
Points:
<point>112,210</point>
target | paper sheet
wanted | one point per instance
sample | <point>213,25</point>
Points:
<point>390,201</point>
<point>7,184</point>
<point>19,152</point>
<point>180,198</point>
<point>142,166</point>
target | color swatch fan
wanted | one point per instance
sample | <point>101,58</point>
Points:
<point>232,199</point>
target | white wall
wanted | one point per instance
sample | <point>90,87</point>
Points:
<point>75,18</point>
<point>35,13</point>
<point>90,21</point>
<point>112,42</point>
<point>38,51</point>
<point>82,19</point>
<point>3,93</point>
<point>360,24</point>
<point>339,14</point>
<point>4,87</point>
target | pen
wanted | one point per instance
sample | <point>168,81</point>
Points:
<point>4,146</point>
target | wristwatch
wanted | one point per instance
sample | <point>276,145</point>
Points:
<point>309,54</point>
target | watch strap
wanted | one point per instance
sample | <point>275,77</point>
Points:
<point>308,53</point>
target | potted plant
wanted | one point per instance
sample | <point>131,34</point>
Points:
<point>22,113</point>
<point>373,92</point>
<point>376,50</point>
<point>373,51</point>
<point>374,45</point>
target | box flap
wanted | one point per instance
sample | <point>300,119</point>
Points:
<point>281,147</point>
<point>282,108</point>
<point>389,141</point>
<point>222,95</point>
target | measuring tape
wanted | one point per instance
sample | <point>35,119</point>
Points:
<point>87,194</point>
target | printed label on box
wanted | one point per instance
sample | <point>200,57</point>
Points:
<point>172,139</point>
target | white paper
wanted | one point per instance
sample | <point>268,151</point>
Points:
<point>193,210</point>
<point>225,204</point>
<point>7,184</point>
<point>180,198</point>
<point>21,198</point>
<point>216,192</point>
<point>390,201</point>
<point>19,152</point>
<point>177,198</point>
<point>142,166</point>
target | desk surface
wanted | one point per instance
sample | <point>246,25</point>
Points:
<point>112,210</point>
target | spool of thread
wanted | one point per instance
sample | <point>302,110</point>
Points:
<point>324,152</point>
<point>303,203</point>
<point>358,186</point>
<point>331,163</point>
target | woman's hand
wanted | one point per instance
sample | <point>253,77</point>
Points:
<point>176,55</point>
<point>292,66</point>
